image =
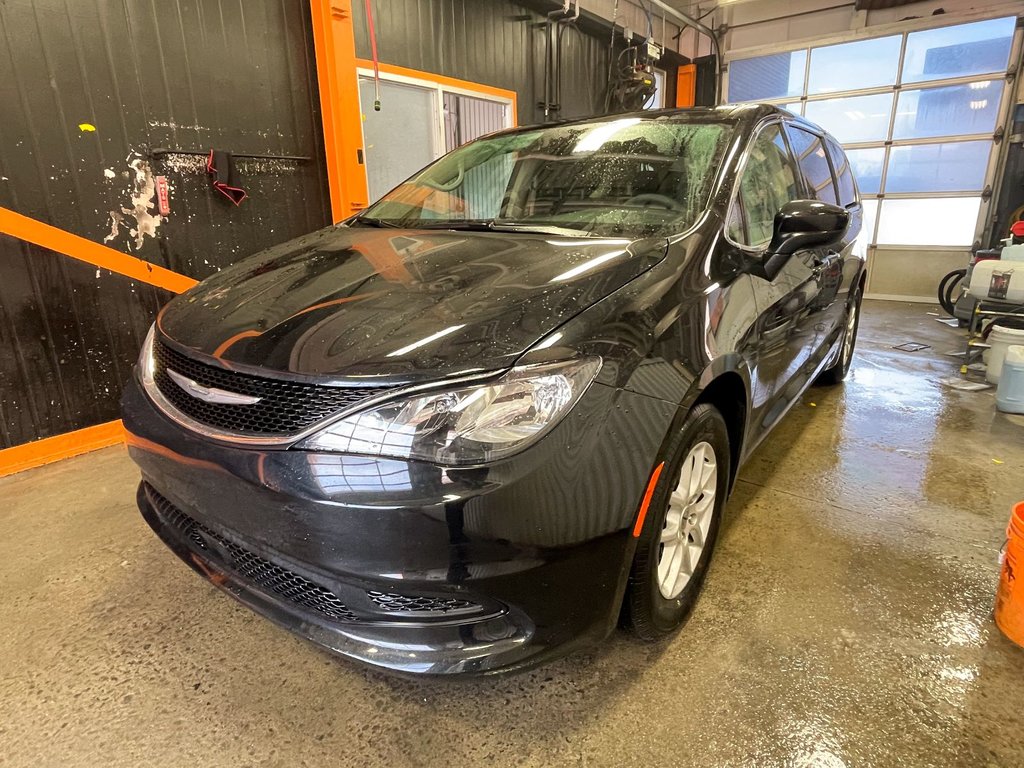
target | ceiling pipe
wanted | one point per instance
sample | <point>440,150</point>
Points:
<point>704,30</point>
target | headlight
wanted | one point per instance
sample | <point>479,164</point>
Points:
<point>465,426</point>
<point>146,356</point>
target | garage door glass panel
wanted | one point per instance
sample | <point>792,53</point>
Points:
<point>851,66</point>
<point>810,156</point>
<point>867,231</point>
<point>952,110</point>
<point>396,147</point>
<point>936,221</point>
<point>767,77</point>
<point>928,128</point>
<point>966,49</point>
<point>853,119</point>
<point>953,167</point>
<point>867,168</point>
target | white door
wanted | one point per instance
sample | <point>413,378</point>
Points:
<point>400,139</point>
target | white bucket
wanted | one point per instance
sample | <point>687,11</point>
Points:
<point>999,341</point>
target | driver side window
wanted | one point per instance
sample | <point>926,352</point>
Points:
<point>768,182</point>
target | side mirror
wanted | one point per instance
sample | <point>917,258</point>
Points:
<point>800,224</point>
<point>807,224</point>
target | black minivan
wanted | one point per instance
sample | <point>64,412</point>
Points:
<point>499,411</point>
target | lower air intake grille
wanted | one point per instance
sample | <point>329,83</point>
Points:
<point>250,566</point>
<point>420,604</point>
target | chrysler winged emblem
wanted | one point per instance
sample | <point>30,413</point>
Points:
<point>211,394</point>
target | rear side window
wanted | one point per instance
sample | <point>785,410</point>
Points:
<point>768,183</point>
<point>810,155</point>
<point>844,174</point>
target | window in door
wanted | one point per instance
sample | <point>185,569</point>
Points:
<point>767,183</point>
<point>844,174</point>
<point>813,162</point>
<point>420,120</point>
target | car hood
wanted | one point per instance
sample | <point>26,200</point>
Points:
<point>399,306</point>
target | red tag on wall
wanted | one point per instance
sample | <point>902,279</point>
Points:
<point>163,196</point>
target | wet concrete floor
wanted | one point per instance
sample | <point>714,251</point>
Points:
<point>846,620</point>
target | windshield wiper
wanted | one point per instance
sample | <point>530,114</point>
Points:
<point>379,223</point>
<point>492,226</point>
<point>460,225</point>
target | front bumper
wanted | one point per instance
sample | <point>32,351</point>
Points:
<point>406,565</point>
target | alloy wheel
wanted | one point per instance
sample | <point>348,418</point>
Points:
<point>851,330</point>
<point>688,520</point>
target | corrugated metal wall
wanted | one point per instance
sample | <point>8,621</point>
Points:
<point>493,42</point>
<point>238,76</point>
<point>467,118</point>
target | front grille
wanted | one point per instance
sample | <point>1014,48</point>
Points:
<point>420,604</point>
<point>285,408</point>
<point>250,566</point>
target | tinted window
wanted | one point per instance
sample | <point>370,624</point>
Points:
<point>844,175</point>
<point>768,182</point>
<point>810,155</point>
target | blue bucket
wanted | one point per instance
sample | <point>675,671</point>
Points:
<point>1010,392</point>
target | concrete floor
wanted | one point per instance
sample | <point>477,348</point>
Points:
<point>845,620</point>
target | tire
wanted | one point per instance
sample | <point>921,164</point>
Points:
<point>836,374</point>
<point>648,611</point>
<point>947,287</point>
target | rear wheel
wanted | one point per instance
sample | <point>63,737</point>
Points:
<point>679,533</point>
<point>837,372</point>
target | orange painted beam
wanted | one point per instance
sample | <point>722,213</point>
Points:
<point>76,247</point>
<point>444,80</point>
<point>335,45</point>
<point>49,449</point>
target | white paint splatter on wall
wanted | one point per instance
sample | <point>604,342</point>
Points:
<point>142,192</point>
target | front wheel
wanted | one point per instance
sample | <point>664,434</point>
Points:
<point>837,372</point>
<point>681,527</point>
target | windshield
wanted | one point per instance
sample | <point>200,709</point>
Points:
<point>629,177</point>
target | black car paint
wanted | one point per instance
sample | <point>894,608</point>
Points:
<point>545,534</point>
<point>338,303</point>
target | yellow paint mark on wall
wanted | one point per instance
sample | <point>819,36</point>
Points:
<point>86,127</point>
